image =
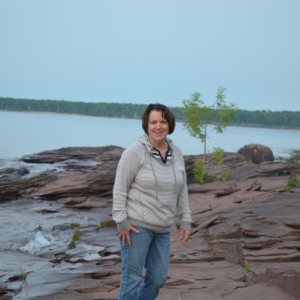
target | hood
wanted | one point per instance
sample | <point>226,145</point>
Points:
<point>144,141</point>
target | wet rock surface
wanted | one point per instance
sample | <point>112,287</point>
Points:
<point>58,240</point>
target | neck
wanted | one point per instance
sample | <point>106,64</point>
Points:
<point>160,146</point>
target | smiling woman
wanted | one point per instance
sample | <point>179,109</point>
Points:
<point>150,190</point>
<point>158,121</point>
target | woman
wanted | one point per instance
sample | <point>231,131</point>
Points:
<point>149,194</point>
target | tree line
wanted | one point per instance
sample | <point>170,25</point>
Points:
<point>261,118</point>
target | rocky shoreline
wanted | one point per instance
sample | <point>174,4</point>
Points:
<point>245,242</point>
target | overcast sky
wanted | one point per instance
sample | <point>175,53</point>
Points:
<point>144,51</point>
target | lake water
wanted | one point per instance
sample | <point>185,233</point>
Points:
<point>27,133</point>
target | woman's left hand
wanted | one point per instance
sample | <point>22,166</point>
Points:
<point>184,235</point>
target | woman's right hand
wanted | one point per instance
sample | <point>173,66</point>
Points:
<point>124,235</point>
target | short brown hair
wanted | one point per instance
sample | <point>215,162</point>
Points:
<point>166,113</point>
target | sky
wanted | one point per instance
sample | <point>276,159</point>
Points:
<point>145,51</point>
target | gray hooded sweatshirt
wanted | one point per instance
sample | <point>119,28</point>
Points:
<point>148,193</point>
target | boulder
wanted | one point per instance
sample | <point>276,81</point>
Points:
<point>256,153</point>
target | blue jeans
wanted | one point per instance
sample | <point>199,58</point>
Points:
<point>148,250</point>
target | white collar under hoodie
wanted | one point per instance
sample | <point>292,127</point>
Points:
<point>148,193</point>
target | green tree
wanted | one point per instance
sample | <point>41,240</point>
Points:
<point>198,115</point>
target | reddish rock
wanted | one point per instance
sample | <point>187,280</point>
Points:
<point>257,153</point>
<point>245,235</point>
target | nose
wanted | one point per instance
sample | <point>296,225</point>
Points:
<point>158,125</point>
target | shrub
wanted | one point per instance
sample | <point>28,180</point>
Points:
<point>292,183</point>
<point>294,157</point>
<point>75,238</point>
<point>201,176</point>
<point>218,155</point>
<point>247,267</point>
<point>226,174</point>
<point>23,276</point>
<point>75,225</point>
<point>199,171</point>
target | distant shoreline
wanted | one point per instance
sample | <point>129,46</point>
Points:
<point>124,118</point>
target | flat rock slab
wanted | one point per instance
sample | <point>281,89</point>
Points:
<point>245,241</point>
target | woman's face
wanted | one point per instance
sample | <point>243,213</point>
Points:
<point>158,127</point>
